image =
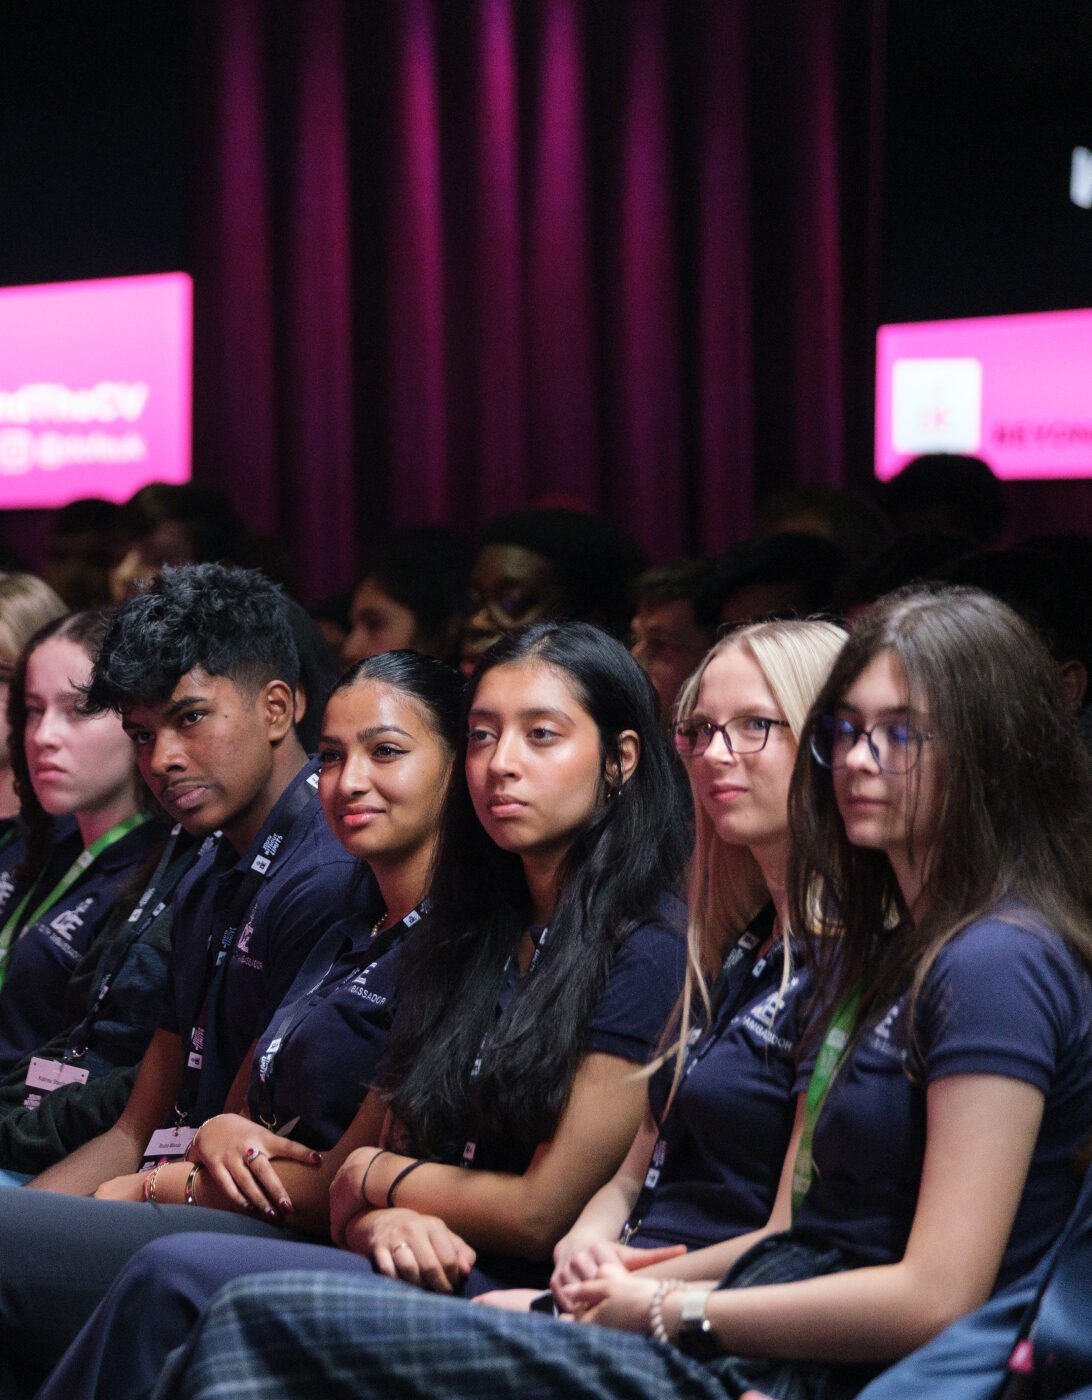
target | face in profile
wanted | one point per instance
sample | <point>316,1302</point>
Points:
<point>78,763</point>
<point>377,623</point>
<point>889,793</point>
<point>743,788</point>
<point>534,761</point>
<point>383,772</point>
<point>510,587</point>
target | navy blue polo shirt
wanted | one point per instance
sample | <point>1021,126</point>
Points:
<point>64,837</point>
<point>309,887</point>
<point>33,1004</point>
<point>642,987</point>
<point>123,1024</point>
<point>1000,999</point>
<point>731,1120</point>
<point>331,1031</point>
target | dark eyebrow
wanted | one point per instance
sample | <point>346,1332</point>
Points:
<point>882,714</point>
<point>542,711</point>
<point>365,734</point>
<point>186,702</point>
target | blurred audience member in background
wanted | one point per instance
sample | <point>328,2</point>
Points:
<point>668,641</point>
<point>164,524</point>
<point>916,558</point>
<point>411,594</point>
<point>80,552</point>
<point>535,564</point>
<point>788,575</point>
<point>947,493</point>
<point>857,526</point>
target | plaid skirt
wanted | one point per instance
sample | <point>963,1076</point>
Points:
<point>303,1333</point>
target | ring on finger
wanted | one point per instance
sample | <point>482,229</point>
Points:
<point>252,1155</point>
<point>402,1244</point>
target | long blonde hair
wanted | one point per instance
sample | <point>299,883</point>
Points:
<point>727,888</point>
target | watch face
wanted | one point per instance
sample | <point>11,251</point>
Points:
<point>696,1337</point>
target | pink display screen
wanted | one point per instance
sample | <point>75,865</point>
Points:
<point>95,388</point>
<point>1013,390</point>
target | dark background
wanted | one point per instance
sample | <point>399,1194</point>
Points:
<point>963,133</point>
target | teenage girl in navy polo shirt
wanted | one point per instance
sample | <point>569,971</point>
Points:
<point>706,1163</point>
<point>944,831</point>
<point>66,764</point>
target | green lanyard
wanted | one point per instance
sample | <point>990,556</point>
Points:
<point>83,862</point>
<point>827,1065</point>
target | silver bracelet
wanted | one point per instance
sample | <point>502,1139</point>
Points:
<point>657,1330</point>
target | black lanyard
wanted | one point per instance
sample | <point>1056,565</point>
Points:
<point>240,913</point>
<point>378,945</point>
<point>509,987</point>
<point>151,904</point>
<point>740,968</point>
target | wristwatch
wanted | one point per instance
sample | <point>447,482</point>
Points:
<point>695,1335</point>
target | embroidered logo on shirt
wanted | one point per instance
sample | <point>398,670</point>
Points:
<point>69,920</point>
<point>880,1036</point>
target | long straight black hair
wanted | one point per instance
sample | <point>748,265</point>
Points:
<point>631,851</point>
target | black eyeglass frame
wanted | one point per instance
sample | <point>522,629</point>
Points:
<point>722,730</point>
<point>916,739</point>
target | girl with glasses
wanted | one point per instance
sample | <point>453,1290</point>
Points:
<point>705,1166</point>
<point>952,1088</point>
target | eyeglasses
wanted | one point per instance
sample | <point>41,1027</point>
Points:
<point>744,734</point>
<point>895,745</point>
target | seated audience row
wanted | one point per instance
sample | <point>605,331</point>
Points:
<point>432,997</point>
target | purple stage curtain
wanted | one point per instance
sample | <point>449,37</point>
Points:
<point>455,258</point>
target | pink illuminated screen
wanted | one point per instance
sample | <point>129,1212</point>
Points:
<point>1013,390</point>
<point>95,388</point>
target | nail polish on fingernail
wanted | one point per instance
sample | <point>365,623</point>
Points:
<point>271,1212</point>
<point>285,1203</point>
<point>316,1157</point>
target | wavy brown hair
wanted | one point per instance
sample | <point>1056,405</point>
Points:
<point>1015,814</point>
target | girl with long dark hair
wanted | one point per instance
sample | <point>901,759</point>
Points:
<point>943,820</point>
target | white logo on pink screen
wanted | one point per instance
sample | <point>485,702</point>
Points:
<point>95,388</point>
<point>936,405</point>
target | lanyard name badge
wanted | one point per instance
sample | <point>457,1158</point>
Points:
<point>45,1075</point>
<point>739,970</point>
<point>75,871</point>
<point>829,1061</point>
<point>507,992</point>
<point>152,903</point>
<point>171,1142</point>
<point>368,957</point>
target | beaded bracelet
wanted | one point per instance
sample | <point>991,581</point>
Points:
<point>656,1328</point>
<point>383,1152</point>
<point>191,1184</point>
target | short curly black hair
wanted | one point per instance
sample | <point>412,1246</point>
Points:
<point>222,620</point>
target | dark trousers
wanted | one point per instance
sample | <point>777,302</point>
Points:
<point>60,1254</point>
